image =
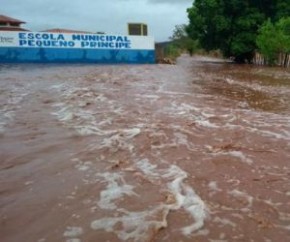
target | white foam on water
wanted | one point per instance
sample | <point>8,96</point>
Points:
<point>174,93</point>
<point>201,232</point>
<point>285,227</point>
<point>87,130</point>
<point>28,183</point>
<point>237,215</point>
<point>141,225</point>
<point>243,104</point>
<point>240,155</point>
<point>271,203</point>
<point>285,135</point>
<point>193,204</point>
<point>222,235</point>
<point>12,104</point>
<point>235,153</point>
<point>214,187</point>
<point>64,114</point>
<point>205,123</point>
<point>107,121</point>
<point>163,146</point>
<point>218,240</point>
<point>73,240</point>
<point>147,168</point>
<point>181,109</point>
<point>2,127</point>
<point>72,113</point>
<point>57,86</point>
<point>230,81</point>
<point>181,129</point>
<point>267,240</point>
<point>284,217</point>
<point>116,189</point>
<point>185,196</point>
<point>84,121</point>
<point>84,166</point>
<point>207,115</point>
<point>187,107</point>
<point>152,98</point>
<point>239,194</point>
<point>181,139</point>
<point>136,226</point>
<point>120,140</point>
<point>73,232</point>
<point>258,125</point>
<point>224,222</point>
<point>130,133</point>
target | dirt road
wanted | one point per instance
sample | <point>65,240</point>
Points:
<point>199,151</point>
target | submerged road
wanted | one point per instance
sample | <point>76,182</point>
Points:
<point>199,151</point>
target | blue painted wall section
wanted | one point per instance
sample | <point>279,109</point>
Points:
<point>60,55</point>
<point>44,47</point>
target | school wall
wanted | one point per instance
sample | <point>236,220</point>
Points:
<point>37,47</point>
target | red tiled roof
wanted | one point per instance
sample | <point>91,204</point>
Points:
<point>12,29</point>
<point>66,31</point>
<point>6,19</point>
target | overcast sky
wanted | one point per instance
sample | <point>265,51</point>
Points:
<point>110,16</point>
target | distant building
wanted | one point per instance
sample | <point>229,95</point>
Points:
<point>137,29</point>
<point>10,24</point>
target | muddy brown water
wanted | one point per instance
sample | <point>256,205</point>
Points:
<point>199,151</point>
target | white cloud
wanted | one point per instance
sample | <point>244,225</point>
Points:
<point>96,15</point>
<point>171,1</point>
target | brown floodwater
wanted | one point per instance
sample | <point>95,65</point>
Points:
<point>199,151</point>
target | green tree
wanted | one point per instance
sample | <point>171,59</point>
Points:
<point>182,41</point>
<point>267,42</point>
<point>281,9</point>
<point>274,39</point>
<point>283,27</point>
<point>171,51</point>
<point>232,25</point>
<point>179,32</point>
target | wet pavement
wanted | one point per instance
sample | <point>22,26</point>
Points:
<point>199,151</point>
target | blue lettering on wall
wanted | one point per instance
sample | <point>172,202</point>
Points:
<point>48,47</point>
<point>46,43</point>
<point>56,40</point>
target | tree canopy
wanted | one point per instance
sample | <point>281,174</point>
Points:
<point>182,41</point>
<point>274,39</point>
<point>232,25</point>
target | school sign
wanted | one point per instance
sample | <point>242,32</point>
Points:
<point>43,47</point>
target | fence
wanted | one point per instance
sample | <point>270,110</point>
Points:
<point>283,59</point>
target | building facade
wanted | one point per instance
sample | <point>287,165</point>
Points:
<point>18,45</point>
<point>11,24</point>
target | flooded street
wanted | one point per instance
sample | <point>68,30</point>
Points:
<point>199,151</point>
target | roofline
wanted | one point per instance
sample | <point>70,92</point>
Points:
<point>60,30</point>
<point>10,20</point>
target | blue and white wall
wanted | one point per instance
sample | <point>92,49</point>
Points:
<point>43,47</point>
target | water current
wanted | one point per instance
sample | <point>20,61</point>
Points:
<point>198,151</point>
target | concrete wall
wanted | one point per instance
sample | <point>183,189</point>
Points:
<point>33,47</point>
